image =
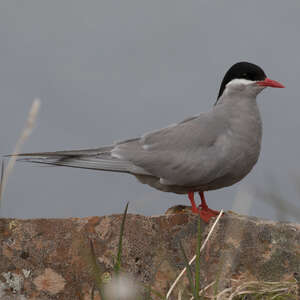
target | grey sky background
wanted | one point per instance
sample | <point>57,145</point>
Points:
<point>112,70</point>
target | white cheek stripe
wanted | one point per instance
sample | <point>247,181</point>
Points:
<point>238,82</point>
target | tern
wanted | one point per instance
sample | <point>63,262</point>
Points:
<point>209,151</point>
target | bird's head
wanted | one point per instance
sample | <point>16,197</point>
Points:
<point>246,79</point>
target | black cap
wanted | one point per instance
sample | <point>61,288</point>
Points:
<point>242,70</point>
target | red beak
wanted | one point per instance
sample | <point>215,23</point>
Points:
<point>271,83</point>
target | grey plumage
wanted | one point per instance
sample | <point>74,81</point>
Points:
<point>212,150</point>
<point>208,151</point>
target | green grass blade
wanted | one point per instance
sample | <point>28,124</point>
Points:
<point>96,270</point>
<point>93,293</point>
<point>1,182</point>
<point>189,272</point>
<point>148,291</point>
<point>197,262</point>
<point>117,265</point>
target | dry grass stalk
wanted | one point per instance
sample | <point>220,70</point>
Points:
<point>24,135</point>
<point>270,290</point>
<point>192,260</point>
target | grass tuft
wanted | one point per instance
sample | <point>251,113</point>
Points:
<point>96,271</point>
<point>260,290</point>
<point>117,265</point>
<point>188,272</point>
<point>192,260</point>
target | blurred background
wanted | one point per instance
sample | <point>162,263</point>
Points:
<point>112,70</point>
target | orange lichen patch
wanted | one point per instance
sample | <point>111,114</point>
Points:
<point>50,281</point>
<point>39,244</point>
<point>63,251</point>
<point>80,223</point>
<point>162,276</point>
<point>172,220</point>
<point>92,222</point>
<point>87,291</point>
<point>96,296</point>
<point>5,233</point>
<point>7,251</point>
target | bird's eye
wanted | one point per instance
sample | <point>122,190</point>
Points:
<point>245,75</point>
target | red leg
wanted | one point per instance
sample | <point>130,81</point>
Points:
<point>204,206</point>
<point>203,210</point>
<point>194,206</point>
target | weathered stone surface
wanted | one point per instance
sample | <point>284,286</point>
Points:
<point>52,258</point>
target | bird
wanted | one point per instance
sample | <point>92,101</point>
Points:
<point>209,151</point>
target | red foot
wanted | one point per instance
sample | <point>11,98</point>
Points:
<point>212,211</point>
<point>206,215</point>
<point>203,210</point>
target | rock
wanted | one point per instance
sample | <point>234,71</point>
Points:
<point>65,258</point>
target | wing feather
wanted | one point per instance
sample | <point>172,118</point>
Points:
<point>183,154</point>
<point>96,159</point>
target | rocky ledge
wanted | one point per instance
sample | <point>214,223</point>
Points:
<point>61,258</point>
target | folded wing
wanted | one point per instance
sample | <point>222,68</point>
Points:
<point>181,154</point>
